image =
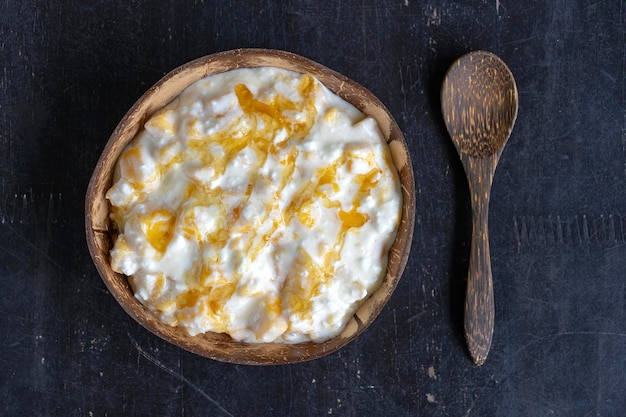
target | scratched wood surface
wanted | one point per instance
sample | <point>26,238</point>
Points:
<point>70,70</point>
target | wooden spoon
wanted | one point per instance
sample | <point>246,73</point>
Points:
<point>479,105</point>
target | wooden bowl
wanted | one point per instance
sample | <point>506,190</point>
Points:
<point>220,346</point>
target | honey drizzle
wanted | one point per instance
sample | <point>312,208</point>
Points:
<point>299,296</point>
<point>263,122</point>
<point>257,128</point>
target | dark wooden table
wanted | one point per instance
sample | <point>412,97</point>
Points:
<point>70,70</point>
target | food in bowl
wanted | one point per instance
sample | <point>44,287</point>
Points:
<point>258,204</point>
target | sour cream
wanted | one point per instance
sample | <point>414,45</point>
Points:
<point>257,204</point>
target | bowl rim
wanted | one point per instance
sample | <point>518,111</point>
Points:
<point>97,234</point>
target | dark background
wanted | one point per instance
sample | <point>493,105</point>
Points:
<point>70,70</point>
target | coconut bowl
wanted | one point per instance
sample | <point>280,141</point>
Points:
<point>217,346</point>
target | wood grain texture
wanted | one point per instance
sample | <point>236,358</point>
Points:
<point>479,299</point>
<point>479,105</point>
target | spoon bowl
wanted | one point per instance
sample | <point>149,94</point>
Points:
<point>479,104</point>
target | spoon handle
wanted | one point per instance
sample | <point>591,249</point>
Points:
<point>479,302</point>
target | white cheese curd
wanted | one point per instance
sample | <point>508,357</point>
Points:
<point>257,204</point>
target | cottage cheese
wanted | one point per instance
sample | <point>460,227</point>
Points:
<point>258,204</point>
